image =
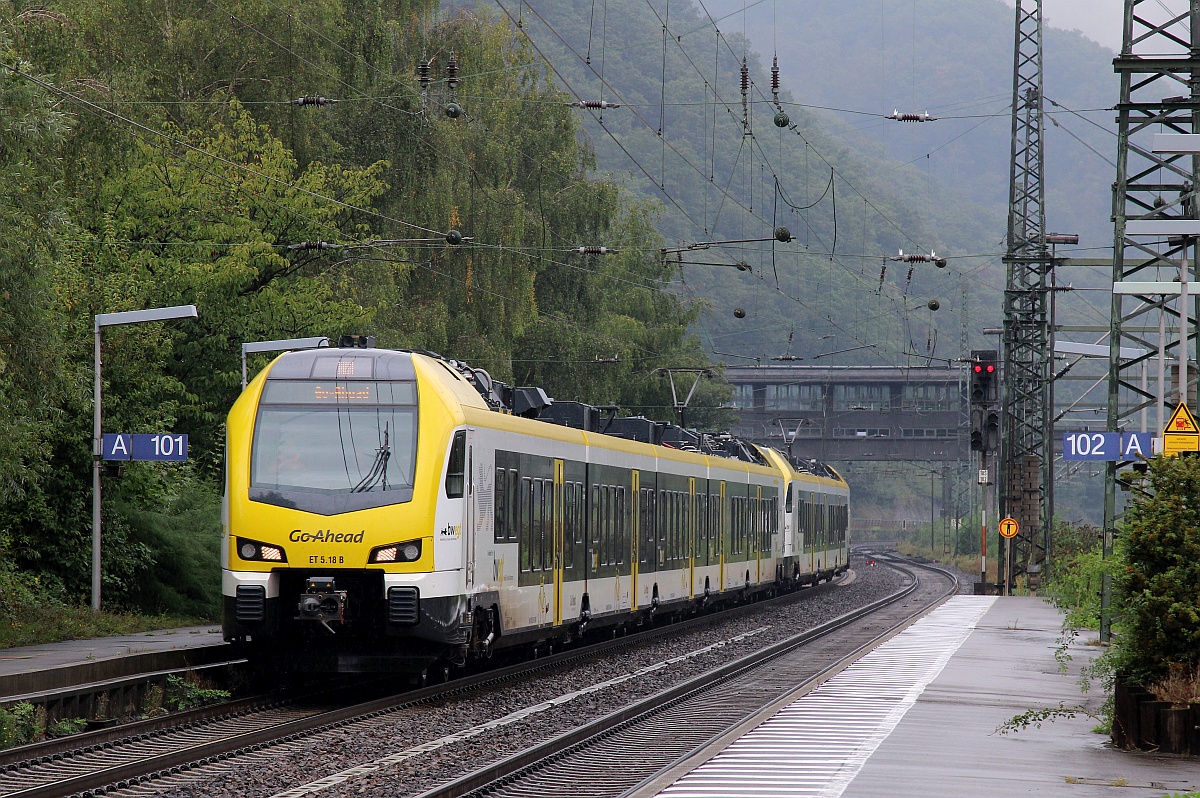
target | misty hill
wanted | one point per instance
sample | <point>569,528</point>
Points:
<point>862,55</point>
<point>715,177</point>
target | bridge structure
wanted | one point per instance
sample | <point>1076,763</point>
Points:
<point>851,414</point>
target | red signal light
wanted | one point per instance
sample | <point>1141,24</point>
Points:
<point>990,368</point>
<point>978,368</point>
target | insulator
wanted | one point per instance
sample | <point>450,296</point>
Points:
<point>745,79</point>
<point>423,74</point>
<point>602,104</point>
<point>308,246</point>
<point>739,313</point>
<point>316,100</point>
<point>775,77</point>
<point>454,238</point>
<point>743,266</point>
<point>782,119</point>
<point>454,110</point>
<point>783,234</point>
<point>921,117</point>
<point>882,273</point>
<point>593,250</point>
<point>452,72</point>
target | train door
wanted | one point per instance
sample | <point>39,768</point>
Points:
<point>810,527</point>
<point>690,536</point>
<point>469,514</point>
<point>724,527</point>
<point>635,538</point>
<point>559,544</point>
<point>789,526</point>
<point>758,532</point>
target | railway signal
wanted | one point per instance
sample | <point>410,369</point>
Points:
<point>984,372</point>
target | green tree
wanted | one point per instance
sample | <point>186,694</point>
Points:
<point>1160,583</point>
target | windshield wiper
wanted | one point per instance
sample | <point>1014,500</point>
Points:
<point>378,472</point>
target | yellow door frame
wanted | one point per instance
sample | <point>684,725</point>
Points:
<point>691,534</point>
<point>636,536</point>
<point>721,535</point>
<point>559,544</point>
<point>760,529</point>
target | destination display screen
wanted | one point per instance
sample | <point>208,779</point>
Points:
<point>339,392</point>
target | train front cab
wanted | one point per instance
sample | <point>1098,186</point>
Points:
<point>357,560</point>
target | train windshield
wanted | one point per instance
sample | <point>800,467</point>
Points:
<point>353,438</point>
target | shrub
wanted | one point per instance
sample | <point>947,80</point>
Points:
<point>1159,585</point>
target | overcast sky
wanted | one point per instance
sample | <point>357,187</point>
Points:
<point>1099,20</point>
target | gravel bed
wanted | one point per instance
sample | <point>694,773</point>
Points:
<point>282,767</point>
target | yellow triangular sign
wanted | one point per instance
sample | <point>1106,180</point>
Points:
<point>1182,422</point>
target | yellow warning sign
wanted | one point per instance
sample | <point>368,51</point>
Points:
<point>1181,433</point>
<point>1009,527</point>
<point>1182,422</point>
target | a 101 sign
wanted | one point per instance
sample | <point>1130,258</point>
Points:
<point>145,446</point>
<point>1107,445</point>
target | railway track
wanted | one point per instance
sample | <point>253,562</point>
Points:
<point>144,753</point>
<point>654,736</point>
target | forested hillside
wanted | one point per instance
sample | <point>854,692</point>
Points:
<point>727,174</point>
<point>156,154</point>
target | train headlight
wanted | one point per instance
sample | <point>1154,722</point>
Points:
<point>255,551</point>
<point>406,551</point>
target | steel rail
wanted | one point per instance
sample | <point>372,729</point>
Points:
<point>185,757</point>
<point>496,774</point>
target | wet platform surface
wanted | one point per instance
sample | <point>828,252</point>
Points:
<point>919,717</point>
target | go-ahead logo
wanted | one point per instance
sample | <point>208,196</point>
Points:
<point>326,536</point>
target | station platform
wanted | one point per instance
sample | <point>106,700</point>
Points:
<point>31,669</point>
<point>919,715</point>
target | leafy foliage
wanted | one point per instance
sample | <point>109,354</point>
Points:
<point>1160,582</point>
<point>190,692</point>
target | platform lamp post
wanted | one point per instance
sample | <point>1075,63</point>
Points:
<point>281,345</point>
<point>103,320</point>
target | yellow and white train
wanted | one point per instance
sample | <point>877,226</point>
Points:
<point>390,509</point>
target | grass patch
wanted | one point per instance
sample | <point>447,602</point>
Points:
<point>32,612</point>
<point>191,692</point>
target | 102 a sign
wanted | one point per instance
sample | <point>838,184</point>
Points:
<point>1107,445</point>
<point>145,446</point>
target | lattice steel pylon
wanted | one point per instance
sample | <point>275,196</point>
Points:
<point>1026,458</point>
<point>1159,68</point>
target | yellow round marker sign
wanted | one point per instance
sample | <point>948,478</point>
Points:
<point>1009,527</point>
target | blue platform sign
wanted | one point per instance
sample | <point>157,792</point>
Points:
<point>117,446</point>
<point>1107,445</point>
<point>1137,444</point>
<point>145,446</point>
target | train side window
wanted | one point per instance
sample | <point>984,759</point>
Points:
<point>647,524</point>
<point>664,530</point>
<point>526,526</point>
<point>568,525</point>
<point>456,468</point>
<point>787,501</point>
<point>622,526</point>
<point>548,512</point>
<point>537,531</point>
<point>580,514</point>
<point>500,508</point>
